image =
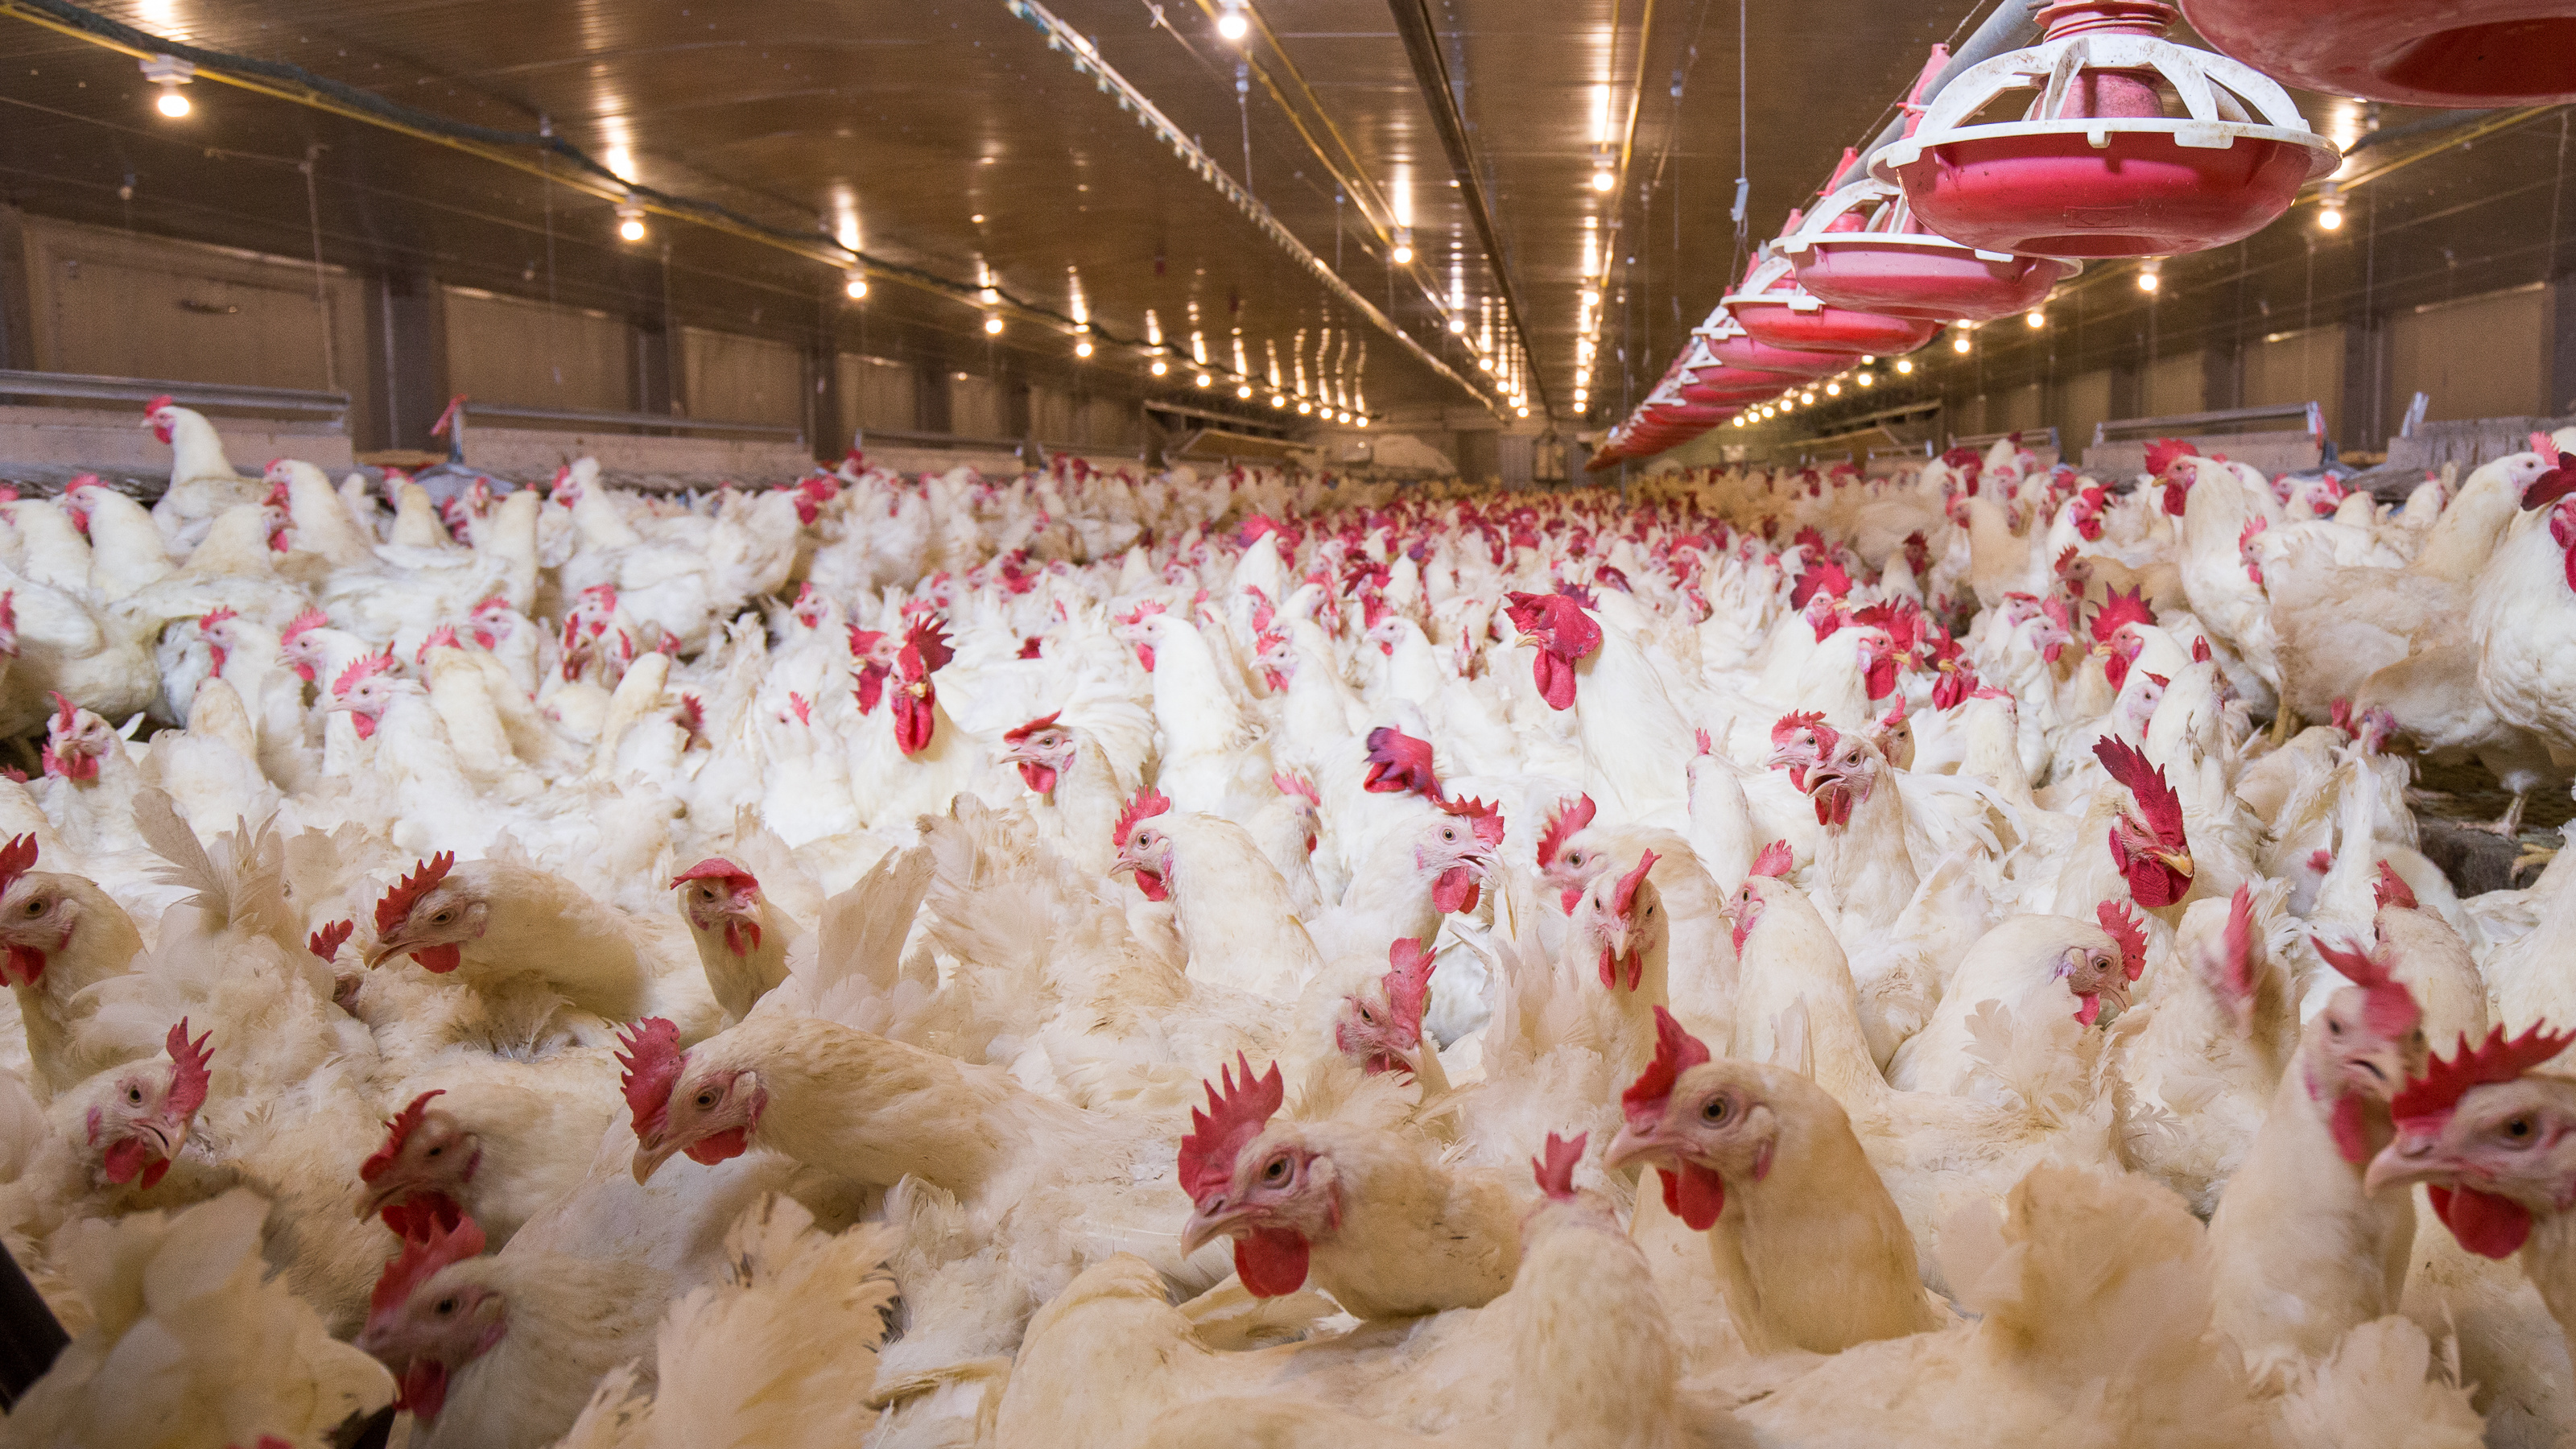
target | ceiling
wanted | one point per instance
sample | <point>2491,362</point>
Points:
<point>947,138</point>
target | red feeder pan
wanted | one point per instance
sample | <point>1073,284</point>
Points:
<point>2468,53</point>
<point>2102,171</point>
<point>1890,266</point>
<point>1776,311</point>
<point>1728,344</point>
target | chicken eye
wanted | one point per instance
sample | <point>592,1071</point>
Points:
<point>1574,857</point>
<point>2333,1027</point>
<point>1368,1016</point>
<point>706,1099</point>
<point>2518,1127</point>
<point>1446,833</point>
<point>35,908</point>
<point>433,1152</point>
<point>441,918</point>
<point>446,1306</point>
<point>1715,1111</point>
<point>134,1095</point>
<point>1277,1170</point>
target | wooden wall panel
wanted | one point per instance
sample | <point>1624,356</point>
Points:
<point>528,354</point>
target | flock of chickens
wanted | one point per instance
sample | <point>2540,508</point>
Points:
<point>1776,958</point>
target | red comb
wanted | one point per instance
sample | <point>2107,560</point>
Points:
<point>2391,890</point>
<point>715,867</point>
<point>194,1068</point>
<point>422,1258</point>
<point>1571,814</point>
<point>2436,1092</point>
<point>1555,1168</point>
<point>653,1065</point>
<point>1676,1051</point>
<point>163,401</point>
<point>326,943</point>
<point>1399,764</point>
<point>364,667</point>
<point>1774,860</point>
<point>1701,737</point>
<point>2156,799</point>
<point>927,642</point>
<point>2387,1007</point>
<point>66,714</point>
<point>2119,609</point>
<point>1408,979</point>
<point>1487,818</point>
<point>2129,931</point>
<point>16,859</point>
<point>309,619</point>
<point>1626,895</point>
<point>395,908</point>
<point>2547,447</point>
<point>1233,1118</point>
<point>1042,722</point>
<point>1147,803</point>
<point>1291,784</point>
<point>397,1131</point>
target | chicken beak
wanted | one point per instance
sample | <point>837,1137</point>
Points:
<point>391,946</point>
<point>2179,861</point>
<point>2410,1159</point>
<point>166,1140</point>
<point>1632,1145</point>
<point>650,1154</point>
<point>1206,1226</point>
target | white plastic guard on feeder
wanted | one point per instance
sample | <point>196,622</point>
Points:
<point>2226,99</point>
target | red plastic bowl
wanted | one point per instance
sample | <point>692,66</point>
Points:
<point>2465,53</point>
<point>1757,356</point>
<point>1832,329</point>
<point>2042,187</point>
<point>1915,275</point>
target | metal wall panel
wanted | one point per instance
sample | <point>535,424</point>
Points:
<point>2177,384</point>
<point>877,392</point>
<point>737,379</point>
<point>136,306</point>
<point>2481,357</point>
<point>2087,403</point>
<point>528,354</point>
<point>1053,417</point>
<point>2298,367</point>
<point>974,406</point>
<point>1110,423</point>
<point>2015,409</point>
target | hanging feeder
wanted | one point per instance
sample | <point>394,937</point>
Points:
<point>1776,311</point>
<point>2095,168</point>
<point>1728,343</point>
<point>2463,54</point>
<point>1862,249</point>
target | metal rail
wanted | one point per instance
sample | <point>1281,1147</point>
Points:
<point>2310,417</point>
<point>665,421</point>
<point>333,406</point>
<point>1988,440</point>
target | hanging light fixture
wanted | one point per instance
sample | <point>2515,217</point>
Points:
<point>2035,319</point>
<point>1160,367</point>
<point>1403,253</point>
<point>1204,379</point>
<point>630,221</point>
<point>1082,348</point>
<point>169,73</point>
<point>2151,275</point>
<point>854,284</point>
<point>1230,21</point>
<point>2330,208</point>
<point>993,325</point>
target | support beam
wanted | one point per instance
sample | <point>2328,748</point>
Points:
<point>1431,75</point>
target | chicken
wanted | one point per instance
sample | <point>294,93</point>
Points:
<point>2020,965</point>
<point>194,1347</point>
<point>1366,1214</point>
<point>742,937</point>
<point>1229,904</point>
<point>502,1350</point>
<point>2304,1252</point>
<point>493,922</point>
<point>64,936</point>
<point>1813,1255</point>
<point>494,1150</point>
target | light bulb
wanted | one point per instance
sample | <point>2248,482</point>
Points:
<point>632,228</point>
<point>1833,389</point>
<point>1808,398</point>
<point>1160,367</point>
<point>1362,420</point>
<point>1458,324</point>
<point>2329,218</point>
<point>1602,180</point>
<point>856,287</point>
<point>1402,254</point>
<point>1204,379</point>
<point>1232,25</point>
<point>1486,363</point>
<point>1243,390</point>
<point>1904,365</point>
<point>2150,277</point>
<point>1304,407</point>
<point>1278,401</point>
<point>1520,412</point>
<point>1867,380</point>
<point>1961,343</point>
<point>993,324</point>
<point>172,103</point>
<point>1082,349</point>
<point>1738,420</point>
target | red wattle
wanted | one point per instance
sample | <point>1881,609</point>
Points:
<point>2487,1225</point>
<point>424,1389</point>
<point>1151,883</point>
<point>441,959</point>
<point>2351,1130</point>
<point>708,1151</point>
<point>1271,1262</point>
